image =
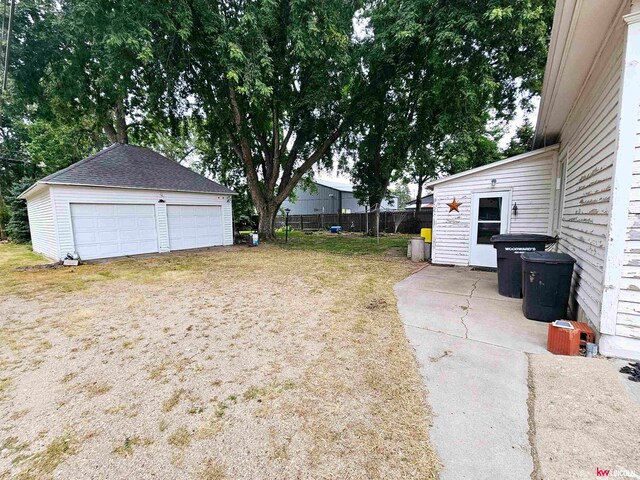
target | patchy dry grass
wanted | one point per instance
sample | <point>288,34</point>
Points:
<point>286,363</point>
<point>180,438</point>
<point>170,403</point>
<point>125,448</point>
<point>212,471</point>
<point>45,462</point>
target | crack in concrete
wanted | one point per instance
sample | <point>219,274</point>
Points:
<point>497,345</point>
<point>531,399</point>
<point>466,310</point>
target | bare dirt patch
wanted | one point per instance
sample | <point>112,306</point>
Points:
<point>256,363</point>
<point>584,418</point>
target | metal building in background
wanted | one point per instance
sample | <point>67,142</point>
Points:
<point>329,197</point>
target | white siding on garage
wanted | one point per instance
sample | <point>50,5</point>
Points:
<point>530,182</point>
<point>588,146</point>
<point>42,224</point>
<point>162,227</point>
<point>227,222</point>
<point>64,195</point>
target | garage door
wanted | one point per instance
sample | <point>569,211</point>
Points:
<point>111,230</point>
<point>194,226</point>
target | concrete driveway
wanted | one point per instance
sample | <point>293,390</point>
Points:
<point>472,346</point>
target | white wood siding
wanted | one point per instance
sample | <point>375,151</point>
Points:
<point>588,146</point>
<point>530,182</point>
<point>64,195</point>
<point>628,318</point>
<point>227,221</point>
<point>628,323</point>
<point>162,227</point>
<point>42,224</point>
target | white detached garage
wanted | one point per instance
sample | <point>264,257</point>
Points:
<point>127,200</point>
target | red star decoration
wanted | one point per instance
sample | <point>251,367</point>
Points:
<point>454,206</point>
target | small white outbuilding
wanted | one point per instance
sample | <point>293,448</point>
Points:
<point>515,195</point>
<point>127,200</point>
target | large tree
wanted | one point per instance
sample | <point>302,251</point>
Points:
<point>88,61</point>
<point>269,81</point>
<point>434,72</point>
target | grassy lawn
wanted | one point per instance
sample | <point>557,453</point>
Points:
<point>252,363</point>
<point>346,243</point>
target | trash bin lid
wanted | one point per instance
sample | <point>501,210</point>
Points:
<point>521,237</point>
<point>547,257</point>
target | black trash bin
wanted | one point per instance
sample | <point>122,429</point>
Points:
<point>509,247</point>
<point>546,284</point>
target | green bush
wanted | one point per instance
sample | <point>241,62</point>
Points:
<point>18,224</point>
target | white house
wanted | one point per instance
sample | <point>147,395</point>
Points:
<point>583,181</point>
<point>126,200</point>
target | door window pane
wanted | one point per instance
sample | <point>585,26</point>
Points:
<point>489,208</point>
<point>486,231</point>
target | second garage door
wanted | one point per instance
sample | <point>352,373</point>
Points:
<point>194,226</point>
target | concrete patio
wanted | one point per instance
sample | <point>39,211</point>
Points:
<point>472,346</point>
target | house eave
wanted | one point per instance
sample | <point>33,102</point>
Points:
<point>499,163</point>
<point>33,189</point>
<point>580,29</point>
<point>68,184</point>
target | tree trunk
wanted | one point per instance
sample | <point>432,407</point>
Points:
<point>121,123</point>
<point>110,131</point>
<point>419,197</point>
<point>267,221</point>
<point>374,207</point>
<point>115,125</point>
<point>376,222</point>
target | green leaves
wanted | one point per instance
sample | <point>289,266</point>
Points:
<point>265,88</point>
<point>235,53</point>
<point>500,13</point>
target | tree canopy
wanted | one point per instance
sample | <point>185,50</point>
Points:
<point>432,74</point>
<point>260,93</point>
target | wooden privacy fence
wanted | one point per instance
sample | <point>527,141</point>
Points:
<point>357,222</point>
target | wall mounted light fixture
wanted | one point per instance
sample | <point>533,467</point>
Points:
<point>493,182</point>
<point>515,208</point>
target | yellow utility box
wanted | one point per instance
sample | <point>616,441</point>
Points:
<point>426,234</point>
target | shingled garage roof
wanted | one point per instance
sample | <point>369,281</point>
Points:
<point>129,166</point>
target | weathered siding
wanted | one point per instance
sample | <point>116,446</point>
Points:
<point>64,195</point>
<point>628,319</point>
<point>530,182</point>
<point>628,323</point>
<point>42,224</point>
<point>588,146</point>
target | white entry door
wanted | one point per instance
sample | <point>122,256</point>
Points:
<point>489,216</point>
<point>102,230</point>
<point>194,226</point>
